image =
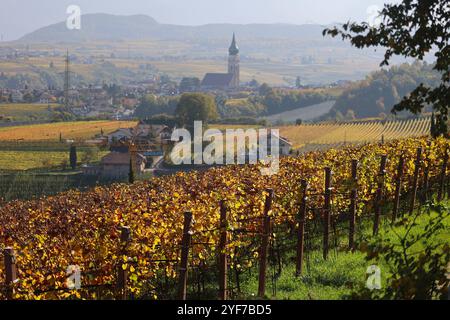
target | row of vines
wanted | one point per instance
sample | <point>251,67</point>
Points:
<point>84,228</point>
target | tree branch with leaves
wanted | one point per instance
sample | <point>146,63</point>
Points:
<point>412,29</point>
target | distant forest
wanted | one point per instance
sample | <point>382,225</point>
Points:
<point>380,91</point>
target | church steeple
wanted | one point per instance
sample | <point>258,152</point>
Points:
<point>233,63</point>
<point>234,49</point>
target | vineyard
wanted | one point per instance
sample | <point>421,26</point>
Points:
<point>155,239</point>
<point>67,130</point>
<point>355,132</point>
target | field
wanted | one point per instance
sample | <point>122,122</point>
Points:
<point>26,112</point>
<point>37,146</point>
<point>68,130</point>
<point>86,228</point>
<point>332,134</point>
<point>305,114</point>
<point>195,58</point>
<point>28,160</point>
<point>356,132</point>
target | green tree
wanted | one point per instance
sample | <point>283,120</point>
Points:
<point>298,82</point>
<point>151,105</point>
<point>131,172</point>
<point>411,28</point>
<point>264,89</point>
<point>73,157</point>
<point>196,107</point>
<point>189,84</point>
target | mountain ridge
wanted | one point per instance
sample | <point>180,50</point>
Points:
<point>102,26</point>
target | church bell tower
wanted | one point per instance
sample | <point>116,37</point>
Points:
<point>233,63</point>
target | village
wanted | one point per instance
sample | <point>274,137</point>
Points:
<point>146,148</point>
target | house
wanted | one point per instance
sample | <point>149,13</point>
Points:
<point>120,134</point>
<point>285,146</point>
<point>16,96</point>
<point>47,98</point>
<point>156,132</point>
<point>129,102</point>
<point>117,165</point>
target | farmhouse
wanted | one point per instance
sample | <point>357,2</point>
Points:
<point>117,165</point>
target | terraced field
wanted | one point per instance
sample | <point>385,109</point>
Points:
<point>356,132</point>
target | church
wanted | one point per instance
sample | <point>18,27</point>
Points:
<point>225,81</point>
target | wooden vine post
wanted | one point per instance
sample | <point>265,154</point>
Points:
<point>379,196</point>
<point>122,272</point>
<point>426,174</point>
<point>398,188</point>
<point>353,205</point>
<point>442,177</point>
<point>185,245</point>
<point>264,244</point>
<point>223,263</point>
<point>327,213</point>
<point>301,227</point>
<point>10,272</point>
<point>415,180</point>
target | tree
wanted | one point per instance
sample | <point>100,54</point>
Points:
<point>73,157</point>
<point>298,122</point>
<point>113,91</point>
<point>64,164</point>
<point>131,172</point>
<point>350,115</point>
<point>254,83</point>
<point>298,82</point>
<point>433,126</point>
<point>196,107</point>
<point>151,105</point>
<point>90,154</point>
<point>264,89</point>
<point>189,84</point>
<point>412,29</point>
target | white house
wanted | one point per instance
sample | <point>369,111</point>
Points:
<point>120,134</point>
<point>285,146</point>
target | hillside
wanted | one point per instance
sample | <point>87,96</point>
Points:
<point>305,114</point>
<point>85,228</point>
<point>328,134</point>
<point>111,48</point>
<point>381,90</point>
<point>113,27</point>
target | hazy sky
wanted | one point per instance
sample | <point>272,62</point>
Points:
<point>18,17</point>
